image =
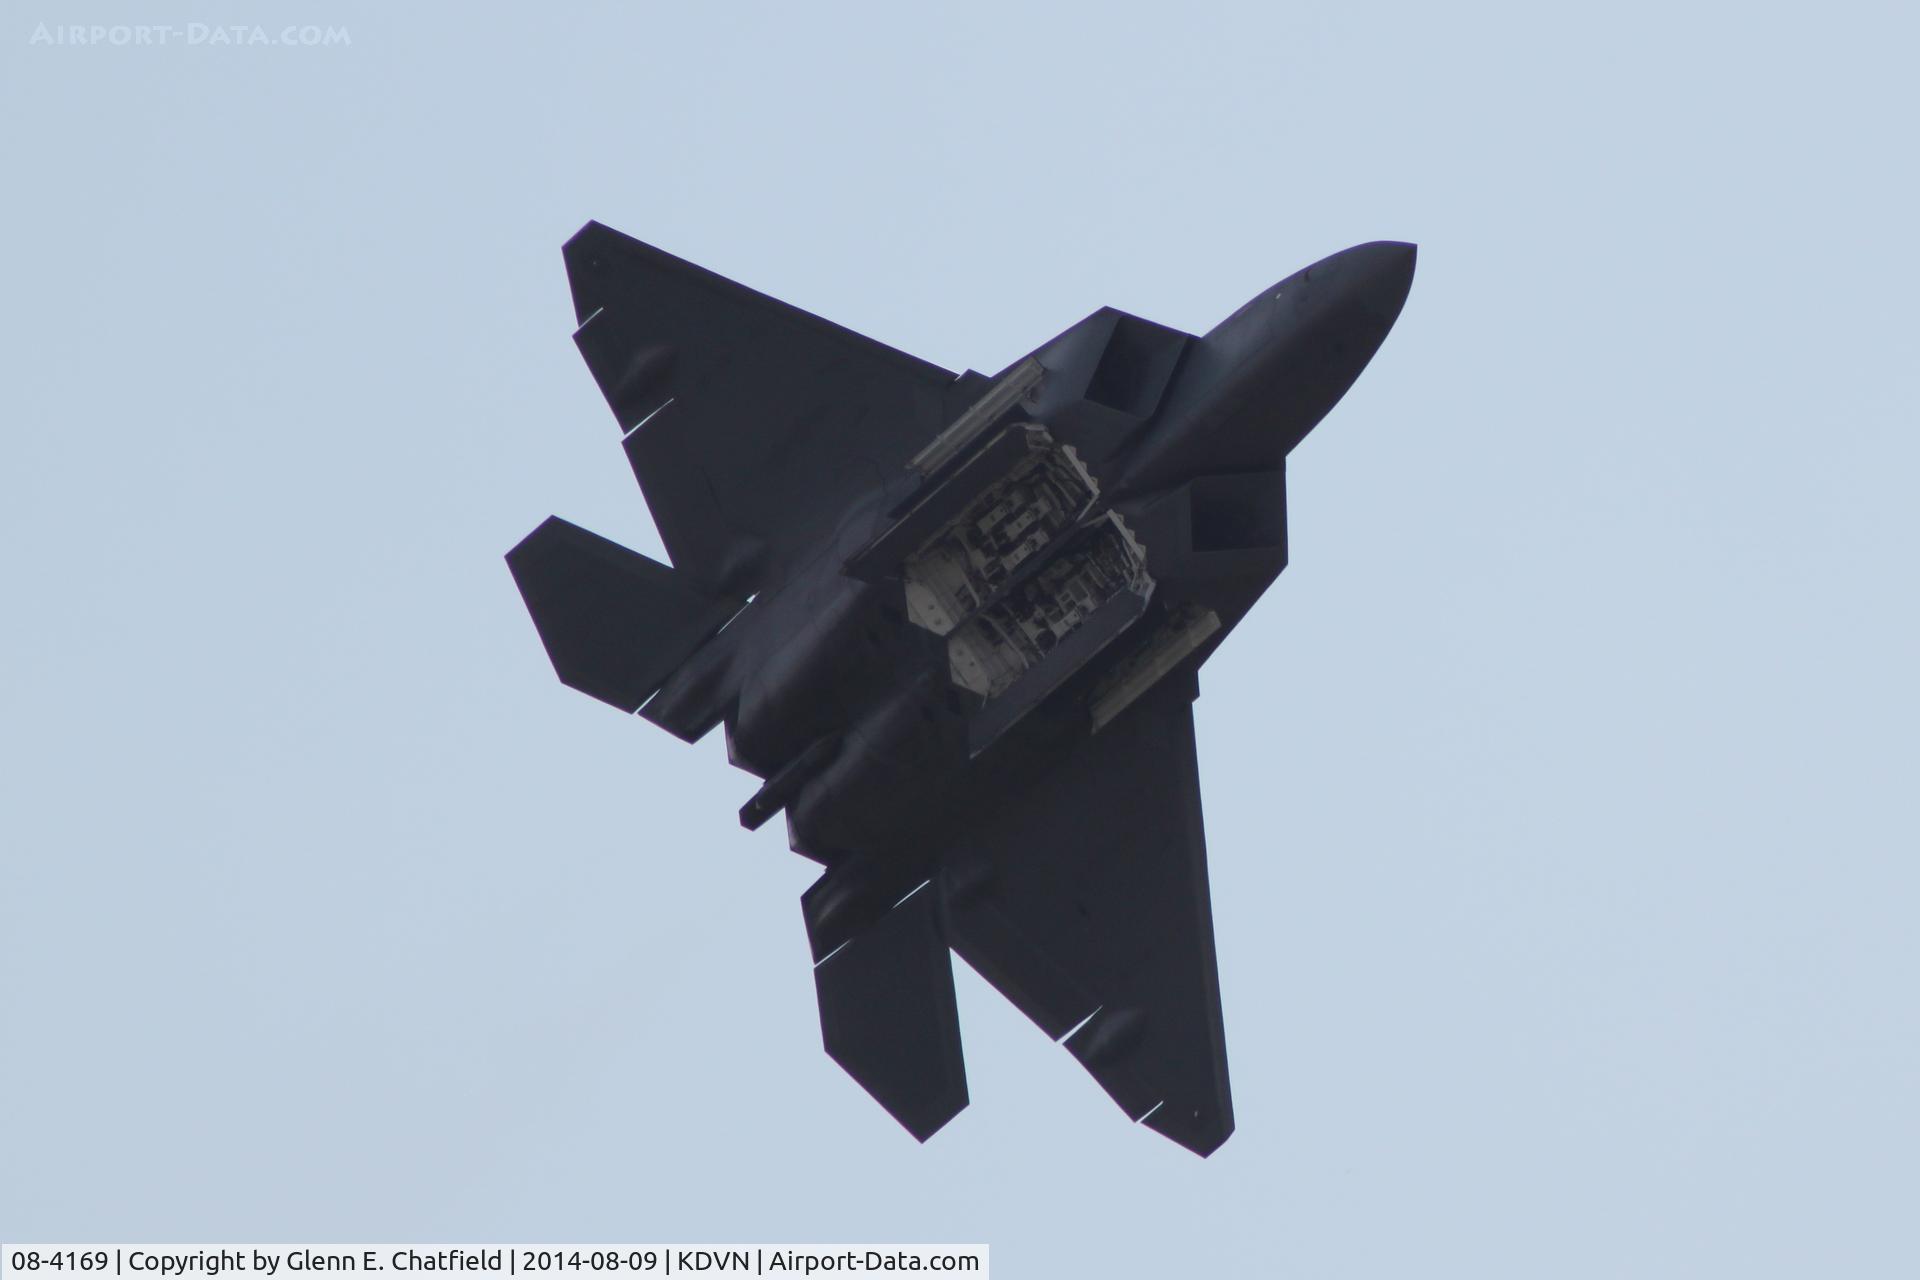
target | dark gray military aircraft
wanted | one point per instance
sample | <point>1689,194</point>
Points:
<point>954,623</point>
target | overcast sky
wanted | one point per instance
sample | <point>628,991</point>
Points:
<point>1560,796</point>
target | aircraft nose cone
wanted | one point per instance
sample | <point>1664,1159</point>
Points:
<point>1265,376</point>
<point>1378,276</point>
<point>1360,290</point>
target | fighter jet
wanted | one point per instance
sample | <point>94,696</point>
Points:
<point>954,624</point>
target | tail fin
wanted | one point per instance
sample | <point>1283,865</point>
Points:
<point>615,623</point>
<point>887,1014</point>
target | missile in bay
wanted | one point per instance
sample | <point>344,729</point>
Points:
<point>953,624</point>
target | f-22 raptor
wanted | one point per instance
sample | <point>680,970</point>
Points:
<point>954,624</point>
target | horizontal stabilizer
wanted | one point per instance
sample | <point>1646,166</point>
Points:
<point>888,1016</point>
<point>615,623</point>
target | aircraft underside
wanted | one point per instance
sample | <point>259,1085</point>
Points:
<point>954,624</point>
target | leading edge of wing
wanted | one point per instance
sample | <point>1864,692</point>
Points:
<point>1083,899</point>
<point>750,424</point>
<point>601,260</point>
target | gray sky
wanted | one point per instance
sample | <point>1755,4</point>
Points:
<point>1560,795</point>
